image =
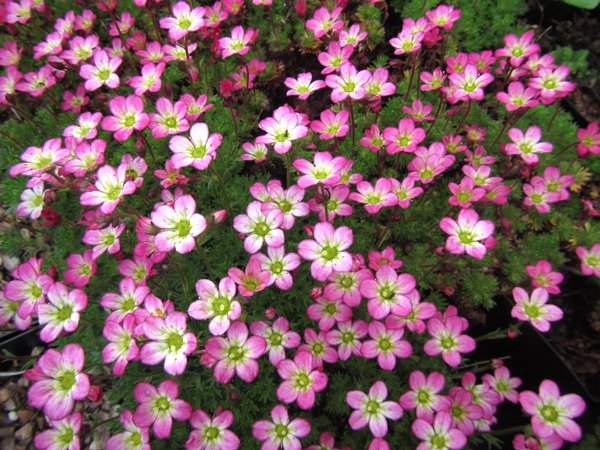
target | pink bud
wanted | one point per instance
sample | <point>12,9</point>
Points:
<point>511,334</point>
<point>490,243</point>
<point>316,292</point>
<point>497,363</point>
<point>309,229</point>
<point>219,216</point>
<point>52,271</point>
<point>234,395</point>
<point>241,236</point>
<point>50,218</point>
<point>95,394</point>
<point>193,72</point>
<point>226,88</point>
<point>506,223</point>
<point>270,313</point>
<point>448,290</point>
<point>439,251</point>
<point>300,7</point>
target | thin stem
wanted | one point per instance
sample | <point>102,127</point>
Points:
<point>415,63</point>
<point>504,126</point>
<point>556,110</point>
<point>288,168</point>
<point>464,119</point>
<point>353,126</point>
<point>8,136</point>
<point>437,114</point>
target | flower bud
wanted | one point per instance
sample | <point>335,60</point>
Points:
<point>219,216</point>
<point>270,313</point>
<point>316,292</point>
<point>95,394</point>
<point>50,218</point>
<point>300,7</point>
<point>309,230</point>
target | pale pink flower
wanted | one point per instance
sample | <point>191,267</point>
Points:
<point>324,21</point>
<point>197,151</point>
<point>411,313</point>
<point>253,279</point>
<point>122,346</point>
<point>423,395</point>
<point>503,384</point>
<point>102,72</point>
<point>552,413</point>
<point>168,342</point>
<point>465,233</point>
<point>277,336</point>
<point>32,201</point>
<point>552,84</point>
<point>111,185</point>
<point>335,56</point>
<point>129,298</point>
<point>280,433</point>
<point>149,80</point>
<point>318,346</point>
<point>589,140</point>
<point>332,124</point>
<point>326,251</point>
<point>350,83</point>
<point>179,225</point>
<point>212,433</point>
<point>168,119</point>
<point>8,84</point>
<point>418,111</point>
<point>534,309</point>
<point>375,197</point>
<point>288,202</point>
<point>405,191</point>
<point>128,115</point>
<point>432,80</point>
<point>8,314</point>
<point>386,345</point>
<point>80,49</point>
<point>444,16</point>
<point>159,406</point>
<point>64,434</point>
<point>75,101</point>
<point>86,128</point>
<point>36,83</point>
<point>236,354</point>
<point>216,304</point>
<point>58,381</point>
<point>279,265</point>
<point>195,106</point>
<point>184,20</point>
<point>465,193</point>
<point>527,145</point>
<point>52,45</point>
<point>133,438</point>
<point>373,139</point>
<point>282,128</point>
<point>61,313</point>
<point>407,42</point>
<point>238,42</point>
<point>332,203</point>
<point>590,259</point>
<point>372,409</point>
<point>404,138</point>
<point>347,338</point>
<point>468,85</point>
<point>301,380</point>
<point>28,287</point>
<point>518,97</point>
<point>260,227</point>
<point>346,286</point>
<point>328,312</point>
<point>326,170</point>
<point>10,54</point>
<point>537,195</point>
<point>254,152</point>
<point>37,161</point>
<point>448,340</point>
<point>386,291</point>
<point>439,434</point>
<point>542,276</point>
<point>518,49</point>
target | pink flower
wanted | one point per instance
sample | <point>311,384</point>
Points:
<point>503,384</point>
<point>195,106</point>
<point>542,276</point>
<point>253,279</point>
<point>537,195</point>
<point>466,193</point>
<point>590,259</point>
<point>405,138</point>
<point>36,83</point>
<point>407,42</point>
<point>411,314</point>
<point>133,438</point>
<point>216,304</point>
<point>551,83</point>
<point>350,83</point>
<point>375,197</point>
<point>447,339</point>
<point>423,395</point>
<point>168,119</point>
<point>168,342</point>
<point>122,346</point>
<point>236,354</point>
<point>280,433</point>
<point>28,287</point>
<point>331,125</point>
<point>444,16</point>
<point>438,432</point>
<point>465,233</point>
<point>326,170</point>
<point>102,72</point>
<point>468,85</point>
<point>332,203</point>
<point>277,336</point>
<point>61,313</point>
<point>386,345</point>
<point>405,191</point>
<point>386,291</point>
<point>555,182</point>
<point>324,21</point>
<point>130,296</point>
<point>527,144</point>
<point>372,409</point>
<point>159,406</point>
<point>301,380</point>
<point>326,442</point>
<point>212,433</point>
<point>238,42</point>
<point>418,111</point>
<point>110,185</point>
<point>179,225</point>
<point>254,152</point>
<point>347,338</point>
<point>534,309</point>
<point>128,115</point>
<point>326,251</point>
<point>58,381</point>
<point>197,151</point>
<point>37,161</point>
<point>149,80</point>
<point>279,264</point>
<point>32,201</point>
<point>552,413</point>
<point>284,127</point>
<point>518,48</point>
<point>589,140</point>
<point>8,84</point>
<point>433,80</point>
<point>288,202</point>
<point>518,97</point>
<point>104,239</point>
<point>260,227</point>
<point>373,139</point>
<point>318,345</point>
<point>184,20</point>
<point>335,56</point>
<point>87,157</point>
<point>328,312</point>
<point>64,434</point>
<point>346,286</point>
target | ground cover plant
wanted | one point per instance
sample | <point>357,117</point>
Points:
<point>273,224</point>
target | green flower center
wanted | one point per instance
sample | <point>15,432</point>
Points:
<point>384,344</point>
<point>463,196</point>
<point>198,151</point>
<point>261,229</point>
<point>281,431</point>
<point>302,381</point>
<point>162,404</point>
<point>275,339</point>
<point>517,51</point>
<point>426,173</point>
<point>317,348</point>
<point>466,237</point>
<point>34,290</point>
<point>128,120</point>
<point>183,228</point>
<point>550,83</point>
<point>537,198</point>
<point>470,86</point>
<point>67,380</point>
<point>184,23</point>
<point>526,148</point>
<point>134,440</point>
<point>276,268</point>
<point>373,407</point>
<point>108,239</point>
<point>171,122</point>
<point>63,314</point>
<point>439,442</point>
<point>211,433</point>
<point>502,386</point>
<point>403,140</point>
<point>251,283</point>
<point>346,282</point>
<point>347,337</point>
<point>103,74</point>
<point>592,261</point>
<point>457,412</point>
<point>174,341</point>
<point>65,438</point>
<point>448,343</point>
<point>128,304</point>
<point>330,308</point>
<point>113,192</point>
<point>373,198</point>
<point>221,306</point>
<point>423,397</point>
<point>532,310</point>
<point>386,293</point>
<point>348,86</point>
<point>329,253</point>
<point>550,414</point>
<point>236,354</point>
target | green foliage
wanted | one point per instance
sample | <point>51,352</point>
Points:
<point>577,60</point>
<point>584,4</point>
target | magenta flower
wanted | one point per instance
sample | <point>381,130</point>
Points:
<point>552,413</point>
<point>518,97</point>
<point>130,296</point>
<point>212,433</point>
<point>183,21</point>
<point>32,201</point>
<point>254,152</point>
<point>335,56</point>
<point>326,442</point>
<point>466,232</point>
<point>439,435</point>
<point>277,336</point>
<point>502,383</point>
<point>346,286</point>
<point>237,43</point>
<point>448,340</point>
<point>28,287</point>
<point>253,279</point>
<point>326,251</point>
<point>64,434</point>
<point>372,409</point>
<point>333,205</point>
<point>61,313</point>
<point>386,345</point>
<point>168,342</point>
<point>318,345</point>
<point>328,312</point>
<point>518,49</point>
<point>87,157</point>
<point>589,140</point>
<point>37,161</point>
<point>236,354</point>
<point>347,338</point>
<point>551,83</point>
<point>423,395</point>
<point>555,182</point>
<point>260,227</point>
<point>375,197</point>
<point>534,309</point>
<point>149,80</point>
<point>326,170</point>
<point>197,151</point>
<point>58,381</point>
<point>159,406</point>
<point>102,72</point>
<point>169,118</point>
<point>527,145</point>
<point>36,83</point>
<point>465,193</point>
<point>280,433</point>
<point>537,195</point>
<point>386,291</point>
<point>373,139</point>
<point>179,225</point>
<point>468,85</point>
<point>216,304</point>
<point>405,191</point>
<point>284,127</point>
<point>84,130</point>
<point>279,264</point>
<point>542,276</point>
<point>111,185</point>
<point>405,138</point>
<point>301,380</point>
<point>288,201</point>
<point>590,260</point>
<point>332,124</point>
<point>104,239</point>
<point>412,313</point>
<point>350,83</point>
<point>133,438</point>
<point>128,115</point>
<point>407,42</point>
<point>324,21</point>
<point>122,346</point>
<point>80,49</point>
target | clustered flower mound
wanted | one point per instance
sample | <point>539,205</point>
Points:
<point>332,240</point>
